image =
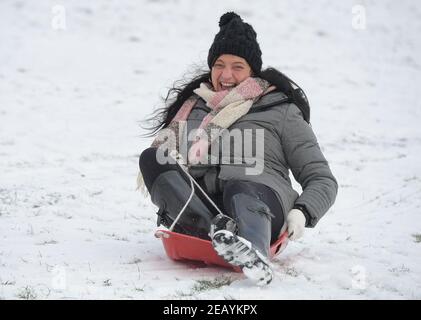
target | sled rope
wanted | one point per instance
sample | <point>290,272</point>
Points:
<point>192,184</point>
<point>185,206</point>
<point>200,188</point>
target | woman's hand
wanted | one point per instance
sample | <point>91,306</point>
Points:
<point>296,222</point>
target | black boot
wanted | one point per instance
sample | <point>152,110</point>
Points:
<point>170,192</point>
<point>249,247</point>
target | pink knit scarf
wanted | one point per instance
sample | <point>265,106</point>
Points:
<point>227,106</point>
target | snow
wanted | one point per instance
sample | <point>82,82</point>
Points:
<point>72,225</point>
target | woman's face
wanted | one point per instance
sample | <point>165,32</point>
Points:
<point>228,71</point>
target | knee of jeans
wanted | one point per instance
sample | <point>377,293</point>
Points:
<point>236,186</point>
<point>147,157</point>
<point>253,189</point>
<point>232,187</point>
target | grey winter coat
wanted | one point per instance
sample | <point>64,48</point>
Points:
<point>288,144</point>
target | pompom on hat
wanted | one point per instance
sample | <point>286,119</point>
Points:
<point>238,38</point>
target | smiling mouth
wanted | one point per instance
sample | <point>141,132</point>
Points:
<point>227,85</point>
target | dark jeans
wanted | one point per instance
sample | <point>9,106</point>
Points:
<point>151,169</point>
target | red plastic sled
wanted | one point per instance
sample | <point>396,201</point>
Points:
<point>179,246</point>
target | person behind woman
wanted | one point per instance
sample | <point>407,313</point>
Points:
<point>257,205</point>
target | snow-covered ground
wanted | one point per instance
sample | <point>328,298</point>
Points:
<point>72,225</point>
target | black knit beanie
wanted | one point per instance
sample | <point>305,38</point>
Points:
<point>238,38</point>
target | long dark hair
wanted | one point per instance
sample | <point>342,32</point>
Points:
<point>292,90</point>
<point>182,90</point>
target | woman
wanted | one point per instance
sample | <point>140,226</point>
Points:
<point>240,129</point>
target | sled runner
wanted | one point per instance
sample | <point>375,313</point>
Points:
<point>179,246</point>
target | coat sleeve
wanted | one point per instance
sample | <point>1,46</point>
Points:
<point>308,165</point>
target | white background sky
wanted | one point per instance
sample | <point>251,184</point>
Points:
<point>72,225</point>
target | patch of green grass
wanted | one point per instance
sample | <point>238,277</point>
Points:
<point>417,237</point>
<point>182,294</point>
<point>291,271</point>
<point>203,285</point>
<point>107,283</point>
<point>27,293</point>
<point>47,242</point>
<point>135,260</point>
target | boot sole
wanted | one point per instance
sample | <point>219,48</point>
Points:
<point>239,252</point>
